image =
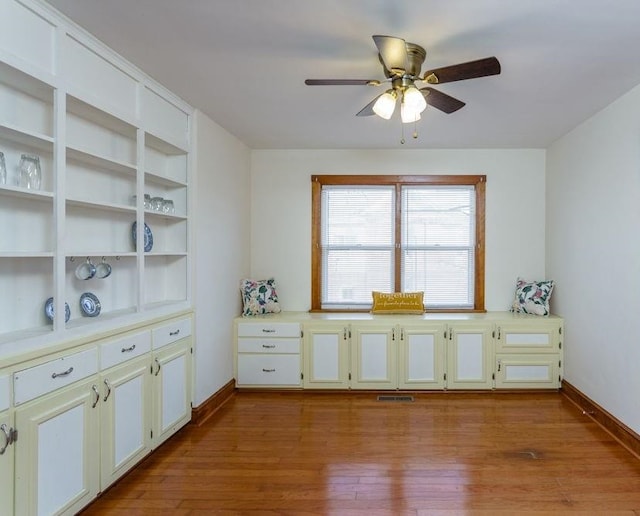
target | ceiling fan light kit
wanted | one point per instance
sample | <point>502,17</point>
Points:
<point>386,104</point>
<point>401,63</point>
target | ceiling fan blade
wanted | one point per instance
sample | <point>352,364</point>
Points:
<point>341,82</point>
<point>471,70</point>
<point>441,101</point>
<point>393,52</point>
<point>368,109</point>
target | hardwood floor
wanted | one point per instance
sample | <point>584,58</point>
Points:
<point>340,454</point>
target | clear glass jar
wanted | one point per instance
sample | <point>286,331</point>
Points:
<point>156,203</point>
<point>30,172</point>
<point>168,207</point>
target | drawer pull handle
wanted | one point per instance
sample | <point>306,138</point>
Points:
<point>174,333</point>
<point>268,346</point>
<point>267,330</point>
<point>7,438</point>
<point>127,350</point>
<point>94,388</point>
<point>106,384</point>
<point>65,373</point>
<point>268,370</point>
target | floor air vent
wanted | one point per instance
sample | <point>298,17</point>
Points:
<point>395,398</point>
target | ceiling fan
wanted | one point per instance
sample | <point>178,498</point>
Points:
<point>401,62</point>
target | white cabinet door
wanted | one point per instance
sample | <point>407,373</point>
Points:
<point>326,357</point>
<point>58,450</point>
<point>374,356</point>
<point>126,418</point>
<point>6,462</point>
<point>171,370</point>
<point>470,356</point>
<point>421,356</point>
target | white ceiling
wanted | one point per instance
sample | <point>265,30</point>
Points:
<point>244,62</point>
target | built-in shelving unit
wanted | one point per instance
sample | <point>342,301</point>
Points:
<point>105,135</point>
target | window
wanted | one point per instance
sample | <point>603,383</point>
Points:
<point>398,234</point>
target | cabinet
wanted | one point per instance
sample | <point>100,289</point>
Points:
<point>86,416</point>
<point>373,356</point>
<point>469,355</point>
<point>105,135</point>
<point>422,355</point>
<point>7,448</point>
<point>529,355</point>
<point>57,450</point>
<point>126,404</point>
<point>326,356</point>
<point>430,352</point>
<point>268,354</point>
<point>171,377</point>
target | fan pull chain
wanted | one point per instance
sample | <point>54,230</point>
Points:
<point>415,132</point>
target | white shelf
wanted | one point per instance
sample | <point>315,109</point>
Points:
<point>24,193</point>
<point>160,254</point>
<point>100,117</point>
<point>122,208</point>
<point>26,254</point>
<point>162,145</point>
<point>97,254</point>
<point>27,138</point>
<point>79,322</point>
<point>150,177</point>
<point>95,160</point>
<point>26,83</point>
<point>175,217</point>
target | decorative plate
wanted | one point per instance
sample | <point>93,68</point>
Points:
<point>48,310</point>
<point>90,304</point>
<point>148,236</point>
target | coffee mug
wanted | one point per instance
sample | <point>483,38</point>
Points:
<point>86,270</point>
<point>103,269</point>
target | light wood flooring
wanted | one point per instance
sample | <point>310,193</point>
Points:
<point>341,454</point>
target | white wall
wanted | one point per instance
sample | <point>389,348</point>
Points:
<point>593,252</point>
<point>221,250</point>
<point>281,210</point>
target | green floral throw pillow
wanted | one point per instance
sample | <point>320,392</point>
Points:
<point>259,297</point>
<point>532,297</point>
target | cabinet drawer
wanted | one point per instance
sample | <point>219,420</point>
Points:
<point>527,371</point>
<point>171,332</point>
<point>4,392</point>
<point>269,370</point>
<point>120,350</point>
<point>39,380</point>
<point>268,329</point>
<point>527,340</point>
<point>268,345</point>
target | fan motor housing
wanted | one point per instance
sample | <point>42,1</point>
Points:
<point>415,57</point>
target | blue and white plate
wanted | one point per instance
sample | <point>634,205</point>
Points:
<point>48,310</point>
<point>148,236</point>
<point>90,304</point>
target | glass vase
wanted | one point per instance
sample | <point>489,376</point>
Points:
<point>30,172</point>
